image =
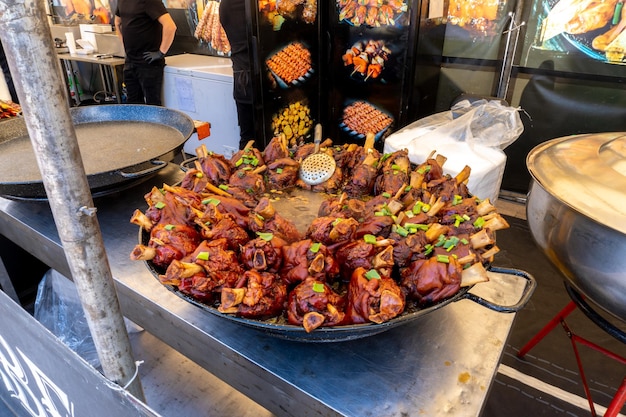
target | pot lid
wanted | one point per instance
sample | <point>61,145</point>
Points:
<point>586,172</point>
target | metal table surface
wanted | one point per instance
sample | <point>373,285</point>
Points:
<point>108,68</point>
<point>442,364</point>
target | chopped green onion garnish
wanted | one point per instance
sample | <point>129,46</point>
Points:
<point>279,170</point>
<point>396,167</point>
<point>169,227</point>
<point>458,220</point>
<point>448,246</point>
<point>384,211</point>
<point>451,243</point>
<point>384,157</point>
<point>386,195</point>
<point>318,287</point>
<point>457,199</point>
<point>239,162</point>
<point>466,217</point>
<point>213,201</point>
<point>159,205</point>
<point>464,241</point>
<point>199,175</point>
<point>336,221</point>
<point>315,247</point>
<point>407,188</point>
<point>258,216</point>
<point>479,222</point>
<point>429,249</point>
<point>265,236</point>
<point>223,187</point>
<point>203,256</point>
<point>402,231</point>
<point>416,226</point>
<point>443,259</point>
<point>417,208</point>
<point>440,241</point>
<point>369,238</point>
<point>372,274</point>
<point>426,208</point>
<point>423,170</point>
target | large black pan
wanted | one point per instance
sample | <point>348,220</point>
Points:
<point>358,331</point>
<point>355,331</point>
<point>121,145</point>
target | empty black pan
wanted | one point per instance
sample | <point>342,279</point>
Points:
<point>121,146</point>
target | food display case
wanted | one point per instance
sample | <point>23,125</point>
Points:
<point>348,65</point>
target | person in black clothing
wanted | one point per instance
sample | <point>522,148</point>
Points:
<point>147,31</point>
<point>233,19</point>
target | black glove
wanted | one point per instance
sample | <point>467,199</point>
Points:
<point>153,56</point>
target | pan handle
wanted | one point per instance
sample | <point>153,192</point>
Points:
<point>186,164</point>
<point>158,165</point>
<point>531,284</point>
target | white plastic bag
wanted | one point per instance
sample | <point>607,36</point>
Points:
<point>471,133</point>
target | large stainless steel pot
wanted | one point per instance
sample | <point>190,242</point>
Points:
<point>121,145</point>
<point>576,210</point>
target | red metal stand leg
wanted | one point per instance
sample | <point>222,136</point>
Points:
<point>618,401</point>
<point>572,339</point>
<point>620,397</point>
<point>556,320</point>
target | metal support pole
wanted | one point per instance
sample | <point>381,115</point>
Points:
<point>510,50</point>
<point>35,68</point>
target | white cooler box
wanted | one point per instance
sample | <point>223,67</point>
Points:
<point>202,87</point>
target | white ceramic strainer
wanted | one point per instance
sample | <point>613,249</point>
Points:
<point>317,167</point>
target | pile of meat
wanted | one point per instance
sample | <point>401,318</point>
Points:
<point>390,235</point>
